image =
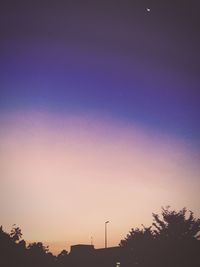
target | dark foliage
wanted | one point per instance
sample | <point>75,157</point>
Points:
<point>176,225</point>
<point>15,253</point>
<point>172,240</point>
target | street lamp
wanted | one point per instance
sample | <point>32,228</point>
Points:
<point>106,233</point>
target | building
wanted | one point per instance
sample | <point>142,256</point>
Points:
<point>87,255</point>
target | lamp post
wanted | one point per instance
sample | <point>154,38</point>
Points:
<point>106,233</point>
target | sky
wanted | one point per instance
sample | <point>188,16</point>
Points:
<point>99,116</point>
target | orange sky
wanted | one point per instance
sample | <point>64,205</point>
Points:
<point>63,177</point>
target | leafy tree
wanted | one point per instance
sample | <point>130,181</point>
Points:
<point>38,248</point>
<point>137,236</point>
<point>172,240</point>
<point>12,251</point>
<point>4,237</point>
<point>63,258</point>
<point>176,225</point>
<point>22,244</point>
<point>16,233</point>
<point>63,253</point>
<point>137,243</point>
<point>38,254</point>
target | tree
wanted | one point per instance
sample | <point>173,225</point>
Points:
<point>63,253</point>
<point>137,236</point>
<point>38,254</point>
<point>176,225</point>
<point>138,242</point>
<point>172,240</point>
<point>16,233</point>
<point>38,248</point>
<point>63,258</point>
<point>12,251</point>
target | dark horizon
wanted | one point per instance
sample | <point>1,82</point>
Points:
<point>172,239</point>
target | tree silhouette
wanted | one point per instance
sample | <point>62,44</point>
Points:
<point>63,258</point>
<point>16,233</point>
<point>12,251</point>
<point>39,255</point>
<point>177,233</point>
<point>176,225</point>
<point>172,240</point>
<point>38,248</point>
<point>137,236</point>
<point>138,242</point>
<point>63,254</point>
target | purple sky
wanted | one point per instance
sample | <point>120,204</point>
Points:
<point>109,56</point>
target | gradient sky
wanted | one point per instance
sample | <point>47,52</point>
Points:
<point>99,116</point>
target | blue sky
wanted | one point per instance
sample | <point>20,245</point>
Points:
<point>77,79</point>
<point>115,59</point>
